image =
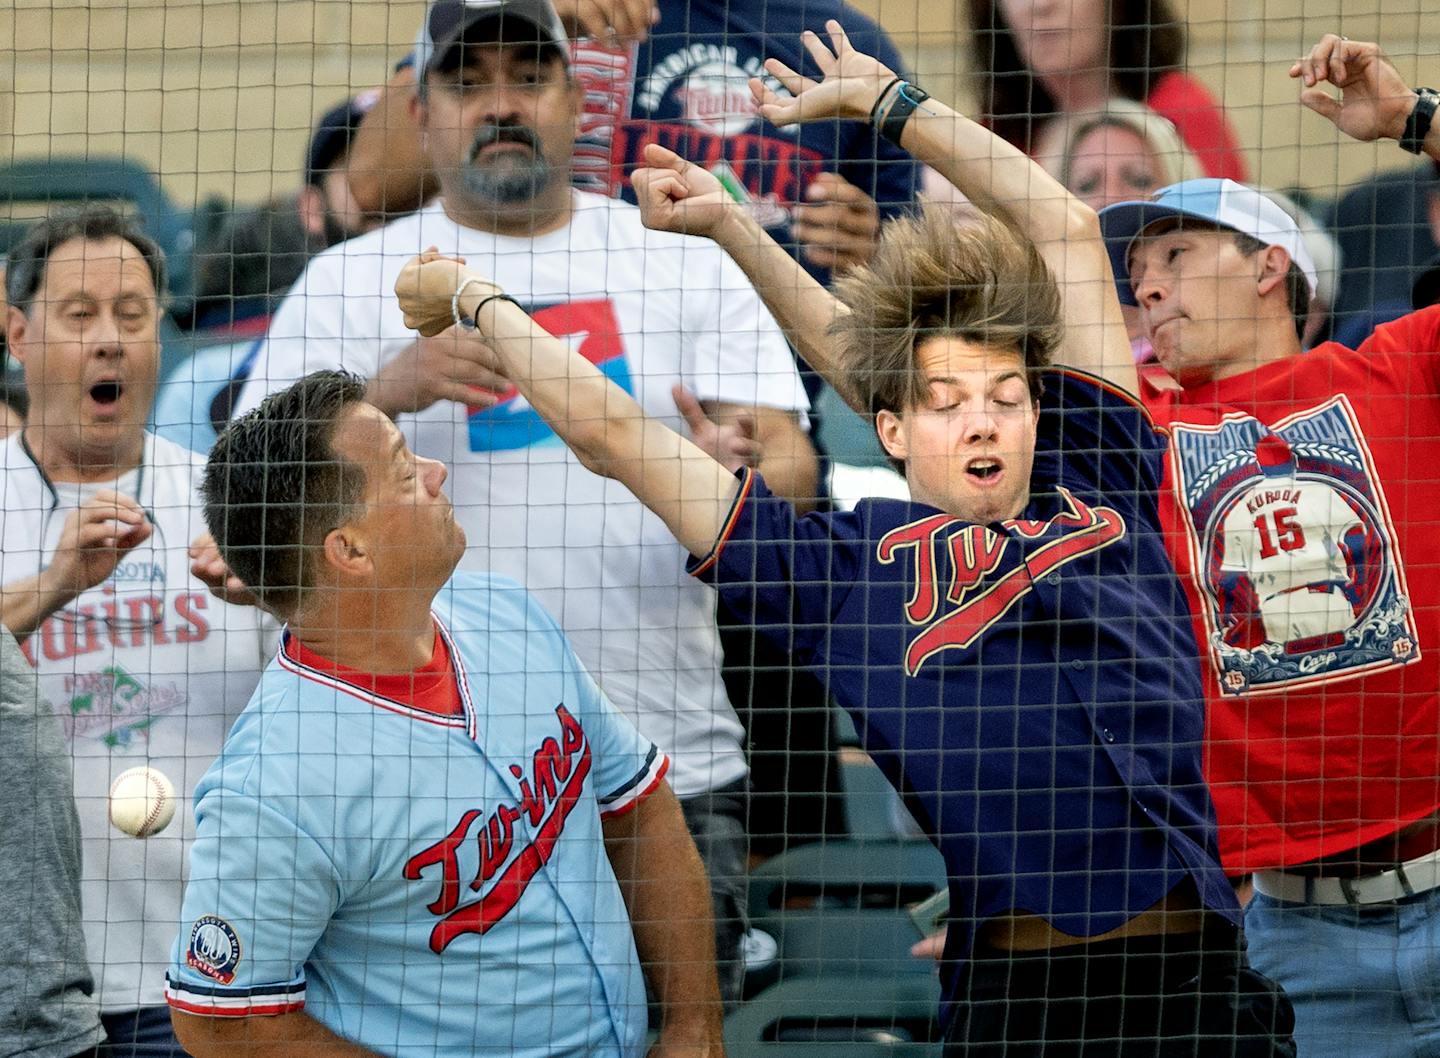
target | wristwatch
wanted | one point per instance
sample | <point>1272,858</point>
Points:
<point>1417,125</point>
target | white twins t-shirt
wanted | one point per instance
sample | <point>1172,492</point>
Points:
<point>650,309</point>
<point>145,668</point>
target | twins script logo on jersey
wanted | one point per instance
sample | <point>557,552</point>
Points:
<point>977,594</point>
<point>1293,549</point>
<point>592,329</point>
<point>557,776</point>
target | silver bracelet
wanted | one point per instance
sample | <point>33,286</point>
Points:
<point>463,322</point>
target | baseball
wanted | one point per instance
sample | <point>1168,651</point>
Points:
<point>142,802</point>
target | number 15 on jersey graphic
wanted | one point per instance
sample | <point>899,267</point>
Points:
<point>1293,549</point>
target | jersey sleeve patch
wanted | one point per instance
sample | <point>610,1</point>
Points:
<point>640,786</point>
<point>218,1002</point>
<point>214,949</point>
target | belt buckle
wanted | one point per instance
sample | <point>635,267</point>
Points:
<point>1349,886</point>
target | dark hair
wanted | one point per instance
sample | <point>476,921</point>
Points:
<point>1147,41</point>
<point>274,487</point>
<point>13,393</point>
<point>1297,287</point>
<point>930,277</point>
<point>25,264</point>
<point>257,252</point>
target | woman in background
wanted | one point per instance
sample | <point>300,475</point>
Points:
<point>1038,58</point>
<point>1117,153</point>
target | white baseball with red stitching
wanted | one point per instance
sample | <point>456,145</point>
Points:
<point>142,802</point>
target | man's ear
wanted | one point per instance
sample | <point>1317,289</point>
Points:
<point>1274,268</point>
<point>889,428</point>
<point>310,204</point>
<point>17,327</point>
<point>345,552</point>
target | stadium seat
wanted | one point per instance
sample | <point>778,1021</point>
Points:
<point>876,875</point>
<point>839,1016</point>
<point>873,810</point>
<point>843,907</point>
<point>28,190</point>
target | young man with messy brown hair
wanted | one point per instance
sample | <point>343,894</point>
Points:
<point>1013,642</point>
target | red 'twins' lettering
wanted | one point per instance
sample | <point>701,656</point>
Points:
<point>557,776</point>
<point>979,598</point>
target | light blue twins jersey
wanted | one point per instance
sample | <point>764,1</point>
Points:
<point>421,884</point>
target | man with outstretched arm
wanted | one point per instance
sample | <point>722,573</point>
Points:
<point>1013,642</point>
<point>1301,501</point>
<point>429,834</point>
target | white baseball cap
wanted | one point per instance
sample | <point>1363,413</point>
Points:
<point>1224,203</point>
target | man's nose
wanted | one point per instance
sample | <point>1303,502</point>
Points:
<point>435,475</point>
<point>980,424</point>
<point>101,335</point>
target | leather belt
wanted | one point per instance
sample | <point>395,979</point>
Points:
<point>1419,875</point>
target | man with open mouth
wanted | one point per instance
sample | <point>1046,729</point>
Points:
<point>139,662</point>
<point>1013,642</point>
<point>671,319</point>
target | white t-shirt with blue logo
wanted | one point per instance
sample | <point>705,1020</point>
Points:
<point>650,309</point>
<point>146,668</point>
<point>425,884</point>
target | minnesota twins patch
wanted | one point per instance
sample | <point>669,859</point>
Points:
<point>214,949</point>
<point>1292,544</point>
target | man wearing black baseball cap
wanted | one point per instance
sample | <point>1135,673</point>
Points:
<point>669,317</point>
<point>327,206</point>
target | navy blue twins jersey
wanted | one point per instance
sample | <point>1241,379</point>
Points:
<point>687,88</point>
<point>1031,686</point>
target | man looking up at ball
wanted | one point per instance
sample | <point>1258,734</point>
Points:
<point>1014,643</point>
<point>424,833</point>
<point>139,662</point>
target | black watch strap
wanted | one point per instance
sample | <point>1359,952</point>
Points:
<point>1417,125</point>
<point>907,98</point>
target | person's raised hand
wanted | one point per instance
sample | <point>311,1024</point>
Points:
<point>838,225</point>
<point>210,569</point>
<point>95,537</point>
<point>426,290</point>
<point>729,440</point>
<point>678,195</point>
<point>1374,99</point>
<point>612,22</point>
<point>850,87</point>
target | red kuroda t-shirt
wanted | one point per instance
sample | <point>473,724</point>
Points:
<point>430,688</point>
<point>1303,511</point>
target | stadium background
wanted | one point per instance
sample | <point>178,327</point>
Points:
<point>218,98</point>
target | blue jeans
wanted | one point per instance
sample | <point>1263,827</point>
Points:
<point>1363,979</point>
<point>143,1033</point>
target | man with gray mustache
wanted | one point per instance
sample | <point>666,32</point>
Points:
<point>669,318</point>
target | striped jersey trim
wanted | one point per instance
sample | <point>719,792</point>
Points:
<point>741,495</point>
<point>637,789</point>
<point>208,1001</point>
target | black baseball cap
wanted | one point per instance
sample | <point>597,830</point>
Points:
<point>331,139</point>
<point>447,21</point>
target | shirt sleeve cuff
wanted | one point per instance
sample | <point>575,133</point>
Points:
<point>698,567</point>
<point>215,1001</point>
<point>641,786</point>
